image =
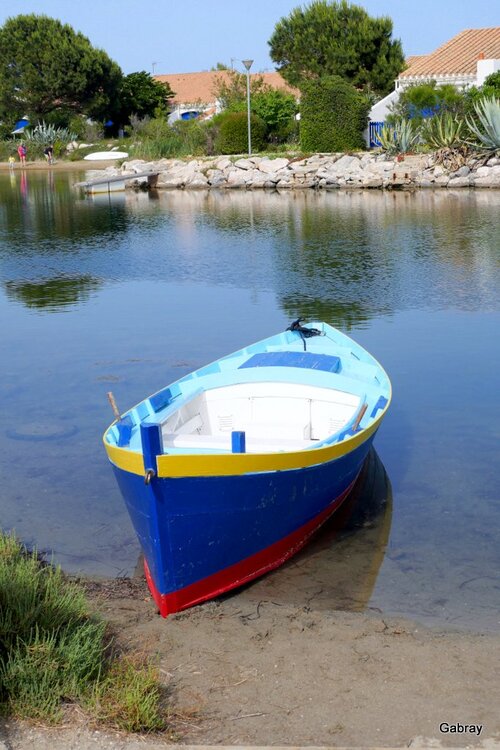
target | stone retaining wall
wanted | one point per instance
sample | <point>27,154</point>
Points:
<point>319,171</point>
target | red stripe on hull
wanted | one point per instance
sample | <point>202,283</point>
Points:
<point>243,571</point>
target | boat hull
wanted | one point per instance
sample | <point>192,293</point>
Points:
<point>204,535</point>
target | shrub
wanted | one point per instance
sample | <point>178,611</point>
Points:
<point>232,137</point>
<point>333,116</point>
<point>491,85</point>
<point>86,130</point>
<point>420,101</point>
<point>8,148</point>
<point>156,139</point>
<point>277,109</point>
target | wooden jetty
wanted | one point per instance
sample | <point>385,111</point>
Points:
<point>114,183</point>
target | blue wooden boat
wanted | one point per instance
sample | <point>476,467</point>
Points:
<point>227,472</point>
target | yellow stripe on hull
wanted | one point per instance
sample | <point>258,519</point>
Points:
<point>232,464</point>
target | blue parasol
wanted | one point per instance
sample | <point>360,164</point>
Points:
<point>21,125</point>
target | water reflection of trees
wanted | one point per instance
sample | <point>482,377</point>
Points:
<point>347,256</point>
<point>51,294</point>
<point>43,209</point>
<point>47,223</point>
<point>343,256</point>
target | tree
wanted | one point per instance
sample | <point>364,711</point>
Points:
<point>143,96</point>
<point>491,85</point>
<point>230,88</point>
<point>423,100</point>
<point>45,67</point>
<point>337,38</point>
<point>278,110</point>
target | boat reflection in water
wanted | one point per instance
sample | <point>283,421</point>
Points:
<point>338,569</point>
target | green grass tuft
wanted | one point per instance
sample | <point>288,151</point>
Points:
<point>128,697</point>
<point>54,651</point>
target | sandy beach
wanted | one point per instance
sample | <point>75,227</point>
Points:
<point>59,166</point>
<point>252,669</point>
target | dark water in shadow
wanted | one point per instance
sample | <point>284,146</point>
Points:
<point>339,567</point>
<point>128,292</point>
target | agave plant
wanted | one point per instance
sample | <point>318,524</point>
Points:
<point>398,138</point>
<point>44,134</point>
<point>487,136</point>
<point>442,131</point>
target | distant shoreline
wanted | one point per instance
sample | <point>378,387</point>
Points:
<point>58,166</point>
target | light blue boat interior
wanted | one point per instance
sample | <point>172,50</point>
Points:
<point>331,360</point>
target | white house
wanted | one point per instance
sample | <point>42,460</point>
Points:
<point>465,60</point>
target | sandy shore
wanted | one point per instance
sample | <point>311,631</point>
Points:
<point>252,670</point>
<point>60,166</point>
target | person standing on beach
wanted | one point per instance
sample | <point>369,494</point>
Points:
<point>21,150</point>
<point>49,153</point>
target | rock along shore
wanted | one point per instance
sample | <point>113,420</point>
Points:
<point>319,171</point>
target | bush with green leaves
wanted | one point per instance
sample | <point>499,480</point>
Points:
<point>232,136</point>
<point>45,134</point>
<point>491,85</point>
<point>154,138</point>
<point>424,100</point>
<point>276,108</point>
<point>8,148</point>
<point>333,116</point>
<point>86,130</point>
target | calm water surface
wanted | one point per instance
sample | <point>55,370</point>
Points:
<point>128,293</point>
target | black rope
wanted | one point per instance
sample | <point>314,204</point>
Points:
<point>304,333</point>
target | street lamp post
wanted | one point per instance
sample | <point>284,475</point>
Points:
<point>248,65</point>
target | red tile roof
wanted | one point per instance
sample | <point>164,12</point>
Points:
<point>458,56</point>
<point>191,88</point>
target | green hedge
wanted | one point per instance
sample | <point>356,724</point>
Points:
<point>232,137</point>
<point>333,116</point>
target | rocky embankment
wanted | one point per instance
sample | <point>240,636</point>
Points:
<point>319,171</point>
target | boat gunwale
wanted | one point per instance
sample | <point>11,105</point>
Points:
<point>172,465</point>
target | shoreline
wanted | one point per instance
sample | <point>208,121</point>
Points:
<point>58,166</point>
<point>246,670</point>
<point>323,172</point>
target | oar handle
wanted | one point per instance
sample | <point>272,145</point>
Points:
<point>112,401</point>
<point>360,417</point>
